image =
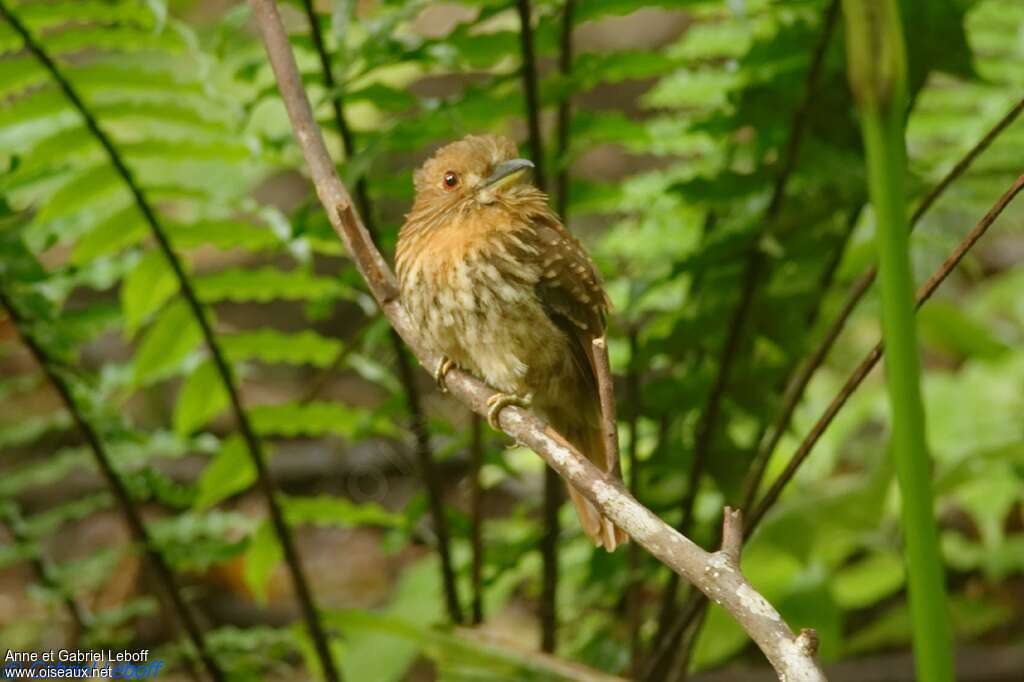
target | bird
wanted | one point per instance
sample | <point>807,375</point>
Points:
<point>499,288</point>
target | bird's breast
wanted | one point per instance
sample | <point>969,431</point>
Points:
<point>477,305</point>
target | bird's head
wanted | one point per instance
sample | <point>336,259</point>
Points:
<point>476,170</point>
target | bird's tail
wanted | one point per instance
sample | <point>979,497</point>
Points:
<point>588,439</point>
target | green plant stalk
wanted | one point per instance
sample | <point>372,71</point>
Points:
<point>877,72</point>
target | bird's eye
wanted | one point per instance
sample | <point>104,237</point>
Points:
<point>451,179</point>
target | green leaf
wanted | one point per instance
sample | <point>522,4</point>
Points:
<point>311,419</point>
<point>224,234</point>
<point>272,346</point>
<point>202,397</point>
<point>166,343</point>
<point>325,510</point>
<point>231,471</point>
<point>151,284</point>
<point>951,329</point>
<point>40,16</point>
<point>123,229</point>
<point>261,558</point>
<point>868,581</point>
<point>267,284</point>
<point>195,541</point>
<point>89,187</point>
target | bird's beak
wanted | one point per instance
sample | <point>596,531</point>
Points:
<point>506,173</point>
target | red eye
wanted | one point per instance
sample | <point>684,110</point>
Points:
<point>451,179</point>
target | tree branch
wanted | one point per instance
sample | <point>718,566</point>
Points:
<point>116,485</point>
<point>254,447</point>
<point>713,573</point>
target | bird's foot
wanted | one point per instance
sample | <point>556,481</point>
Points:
<point>444,365</point>
<point>499,401</point>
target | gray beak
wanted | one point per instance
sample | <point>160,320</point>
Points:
<point>506,173</point>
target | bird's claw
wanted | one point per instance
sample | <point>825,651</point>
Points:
<point>444,365</point>
<point>499,401</point>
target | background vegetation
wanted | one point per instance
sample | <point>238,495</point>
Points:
<point>712,163</point>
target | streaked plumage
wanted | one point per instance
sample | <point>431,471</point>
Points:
<point>500,287</point>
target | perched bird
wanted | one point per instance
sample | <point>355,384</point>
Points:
<point>502,290</point>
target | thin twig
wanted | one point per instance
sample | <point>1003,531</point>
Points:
<point>116,485</point>
<point>713,573</point>
<point>476,516</point>
<point>606,394</point>
<point>867,364</point>
<point>224,370</point>
<point>807,370</point>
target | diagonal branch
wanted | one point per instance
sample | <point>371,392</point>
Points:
<point>116,485</point>
<point>802,379</point>
<point>406,376</point>
<point>714,573</point>
<point>868,363</point>
<point>224,370</point>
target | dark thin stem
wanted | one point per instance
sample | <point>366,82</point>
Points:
<point>42,568</point>
<point>564,124</point>
<point>406,375</point>
<point>759,462</point>
<point>114,482</point>
<point>529,75</point>
<point>634,594</point>
<point>872,358</point>
<point>807,371</point>
<point>361,194</point>
<point>755,269</point>
<point>549,554</point>
<point>668,608</point>
<point>435,491</point>
<point>681,667</point>
<point>856,377</point>
<point>552,483</point>
<point>255,449</point>
<point>476,515</point>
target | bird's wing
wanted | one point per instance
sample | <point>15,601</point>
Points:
<point>571,293</point>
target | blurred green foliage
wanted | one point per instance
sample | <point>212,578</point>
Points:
<point>190,103</point>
